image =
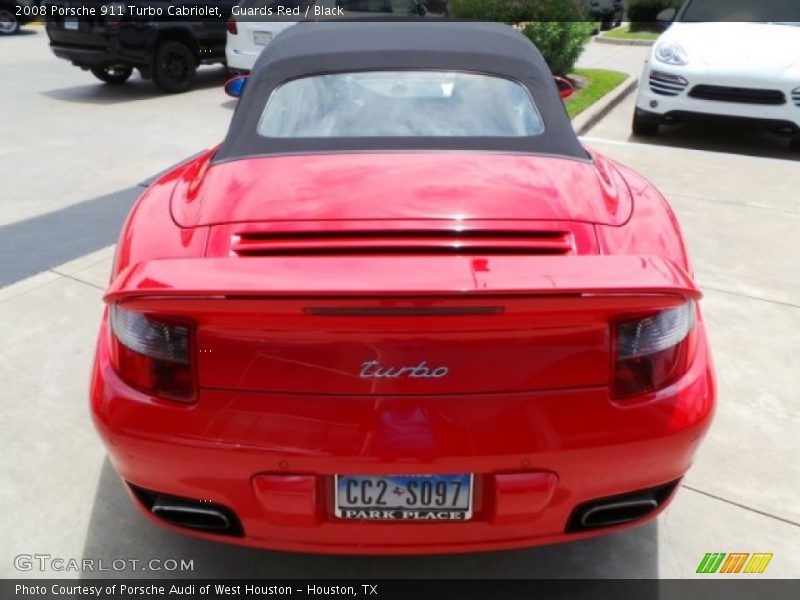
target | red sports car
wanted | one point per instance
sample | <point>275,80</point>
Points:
<point>401,309</point>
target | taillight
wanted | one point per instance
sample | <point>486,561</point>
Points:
<point>230,25</point>
<point>652,351</point>
<point>153,353</point>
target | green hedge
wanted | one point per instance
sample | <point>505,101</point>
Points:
<point>561,43</point>
<point>642,13</point>
<point>520,11</point>
<point>559,28</point>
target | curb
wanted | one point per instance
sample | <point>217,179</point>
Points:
<point>595,113</point>
<point>615,42</point>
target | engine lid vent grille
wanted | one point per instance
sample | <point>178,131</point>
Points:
<point>498,242</point>
<point>796,97</point>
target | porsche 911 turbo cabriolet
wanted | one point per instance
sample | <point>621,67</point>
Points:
<point>401,309</point>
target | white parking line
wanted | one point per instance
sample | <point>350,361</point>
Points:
<point>682,150</point>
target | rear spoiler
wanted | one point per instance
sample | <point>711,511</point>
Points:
<point>377,275</point>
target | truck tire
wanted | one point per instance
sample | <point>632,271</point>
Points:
<point>114,74</point>
<point>174,67</point>
<point>794,143</point>
<point>9,24</point>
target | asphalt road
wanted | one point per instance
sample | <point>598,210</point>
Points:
<point>74,152</point>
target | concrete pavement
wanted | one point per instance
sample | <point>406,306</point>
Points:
<point>740,216</point>
<point>61,124</point>
<point>628,59</point>
<point>739,212</point>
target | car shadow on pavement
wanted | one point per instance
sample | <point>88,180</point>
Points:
<point>136,88</point>
<point>117,531</point>
<point>731,138</point>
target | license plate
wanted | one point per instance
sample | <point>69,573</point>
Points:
<point>262,38</point>
<point>71,24</point>
<point>404,497</point>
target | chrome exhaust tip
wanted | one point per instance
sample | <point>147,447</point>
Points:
<point>193,516</point>
<point>616,513</point>
<point>189,513</point>
<point>621,509</point>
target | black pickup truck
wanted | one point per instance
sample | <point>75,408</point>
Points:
<point>118,39</point>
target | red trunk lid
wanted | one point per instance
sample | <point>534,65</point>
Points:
<point>455,186</point>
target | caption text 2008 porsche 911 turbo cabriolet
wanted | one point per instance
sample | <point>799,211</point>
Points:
<point>401,309</point>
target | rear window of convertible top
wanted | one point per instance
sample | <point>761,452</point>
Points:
<point>400,104</point>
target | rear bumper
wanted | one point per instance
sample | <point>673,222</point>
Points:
<point>240,60</point>
<point>270,458</point>
<point>86,57</point>
<point>98,51</point>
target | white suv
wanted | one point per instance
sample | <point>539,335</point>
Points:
<point>249,30</point>
<point>704,65</point>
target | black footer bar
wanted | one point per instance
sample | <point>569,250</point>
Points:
<point>388,589</point>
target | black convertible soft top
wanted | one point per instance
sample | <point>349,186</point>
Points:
<point>313,48</point>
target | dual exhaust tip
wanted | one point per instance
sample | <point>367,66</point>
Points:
<point>617,510</point>
<point>190,514</point>
<point>218,519</point>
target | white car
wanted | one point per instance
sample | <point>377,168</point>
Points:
<point>255,22</point>
<point>703,66</point>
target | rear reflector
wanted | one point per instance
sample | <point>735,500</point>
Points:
<point>152,354</point>
<point>652,351</point>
